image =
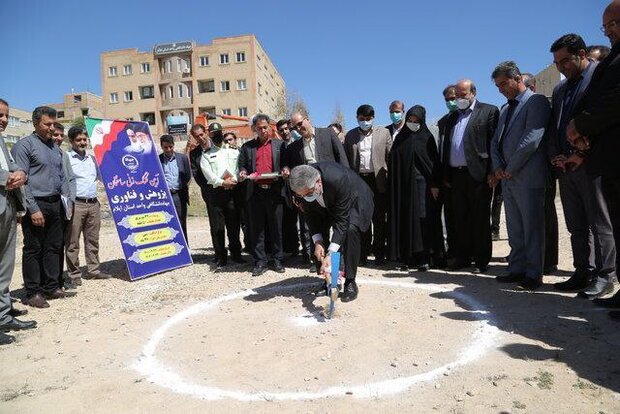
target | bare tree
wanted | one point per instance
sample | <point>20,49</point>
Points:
<point>297,104</point>
<point>338,117</point>
<point>280,110</point>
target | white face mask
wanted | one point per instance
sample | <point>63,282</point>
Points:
<point>414,126</point>
<point>462,103</point>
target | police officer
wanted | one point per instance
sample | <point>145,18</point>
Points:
<point>219,166</point>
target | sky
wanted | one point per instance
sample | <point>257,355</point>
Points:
<point>338,53</point>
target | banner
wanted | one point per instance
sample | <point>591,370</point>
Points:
<point>141,204</point>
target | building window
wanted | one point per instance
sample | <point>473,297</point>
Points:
<point>179,65</point>
<point>223,58</point>
<point>180,89</point>
<point>243,111</point>
<point>225,86</point>
<point>241,85</point>
<point>204,60</point>
<point>226,111</point>
<point>128,96</point>
<point>260,91</point>
<point>60,114</point>
<point>168,66</point>
<point>112,71</point>
<point>206,86</point>
<point>189,91</point>
<point>170,92</point>
<point>114,97</point>
<point>148,117</point>
<point>14,121</point>
<point>147,92</point>
<point>77,98</point>
<point>240,57</point>
<point>127,70</point>
<point>145,67</point>
<point>85,112</point>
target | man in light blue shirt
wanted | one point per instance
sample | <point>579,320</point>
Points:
<point>86,217</point>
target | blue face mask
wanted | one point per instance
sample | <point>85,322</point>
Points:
<point>451,105</point>
<point>311,198</point>
<point>396,117</point>
<point>295,135</point>
<point>365,125</point>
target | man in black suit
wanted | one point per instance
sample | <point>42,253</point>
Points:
<point>333,195</point>
<point>316,145</point>
<point>263,195</point>
<point>177,173</point>
<point>595,129</point>
<point>467,173</point>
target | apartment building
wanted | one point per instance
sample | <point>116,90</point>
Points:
<point>169,86</point>
<point>19,126</point>
<point>78,105</point>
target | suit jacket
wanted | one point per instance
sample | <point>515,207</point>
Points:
<point>476,140</point>
<point>441,127</point>
<point>328,148</point>
<point>557,98</point>
<point>381,145</point>
<point>66,167</point>
<point>597,116</point>
<point>195,156</point>
<point>4,176</point>
<point>348,202</point>
<point>185,174</point>
<point>247,162</point>
<point>524,152</point>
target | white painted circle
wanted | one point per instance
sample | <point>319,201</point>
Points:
<point>148,365</point>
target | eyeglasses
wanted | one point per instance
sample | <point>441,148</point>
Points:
<point>298,124</point>
<point>609,25</point>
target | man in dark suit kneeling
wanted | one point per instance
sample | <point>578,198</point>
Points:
<point>331,195</point>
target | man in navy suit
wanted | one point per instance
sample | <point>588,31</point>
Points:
<point>177,173</point>
<point>519,161</point>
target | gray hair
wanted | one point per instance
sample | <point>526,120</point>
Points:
<point>303,177</point>
<point>509,69</point>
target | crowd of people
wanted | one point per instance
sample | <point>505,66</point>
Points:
<point>398,194</point>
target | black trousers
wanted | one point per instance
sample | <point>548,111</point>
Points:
<point>471,210</point>
<point>448,219</point>
<point>611,192</point>
<point>433,228</point>
<point>225,217</point>
<point>352,252</point>
<point>180,206</point>
<point>496,207</point>
<point>551,226</point>
<point>290,234</point>
<point>265,214</point>
<point>373,240</point>
<point>42,248</point>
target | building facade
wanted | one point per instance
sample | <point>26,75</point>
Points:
<point>547,80</point>
<point>78,105</point>
<point>176,82</point>
<point>19,126</point>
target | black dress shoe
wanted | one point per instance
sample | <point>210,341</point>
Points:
<point>575,283</point>
<point>597,289</point>
<point>480,269</point>
<point>17,312</point>
<point>350,291</point>
<point>529,284</point>
<point>278,267</point>
<point>549,270</point>
<point>612,302</point>
<point>511,278</point>
<point>6,339</point>
<point>615,315</point>
<point>321,291</point>
<point>17,325</point>
<point>221,263</point>
<point>423,268</point>
<point>313,268</point>
<point>259,270</point>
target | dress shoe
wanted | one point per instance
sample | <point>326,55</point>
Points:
<point>278,267</point>
<point>480,269</point>
<point>575,283</point>
<point>98,275</point>
<point>423,268</point>
<point>36,301</point>
<point>529,284</point>
<point>259,270</point>
<point>510,278</point>
<point>59,294</point>
<point>549,270</point>
<point>615,315</point>
<point>321,291</point>
<point>350,291</point>
<point>612,302</point>
<point>16,325</point>
<point>6,339</point>
<point>598,288</point>
<point>17,312</point>
<point>313,268</point>
<point>238,259</point>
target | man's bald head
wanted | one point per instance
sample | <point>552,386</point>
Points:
<point>465,85</point>
<point>611,22</point>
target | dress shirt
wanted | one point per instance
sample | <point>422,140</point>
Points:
<point>41,160</point>
<point>310,150</point>
<point>457,150</point>
<point>395,131</point>
<point>216,162</point>
<point>171,172</point>
<point>365,148</point>
<point>85,173</point>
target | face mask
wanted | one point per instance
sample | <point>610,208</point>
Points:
<point>462,103</point>
<point>396,117</point>
<point>451,105</point>
<point>365,125</point>
<point>296,135</point>
<point>217,138</point>
<point>312,197</point>
<point>414,126</point>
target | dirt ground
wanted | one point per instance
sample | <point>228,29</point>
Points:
<point>195,340</point>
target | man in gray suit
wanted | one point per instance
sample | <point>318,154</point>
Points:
<point>585,210</point>
<point>12,178</point>
<point>367,148</point>
<point>519,161</point>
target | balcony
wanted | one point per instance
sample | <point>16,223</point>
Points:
<point>175,76</point>
<point>175,103</point>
